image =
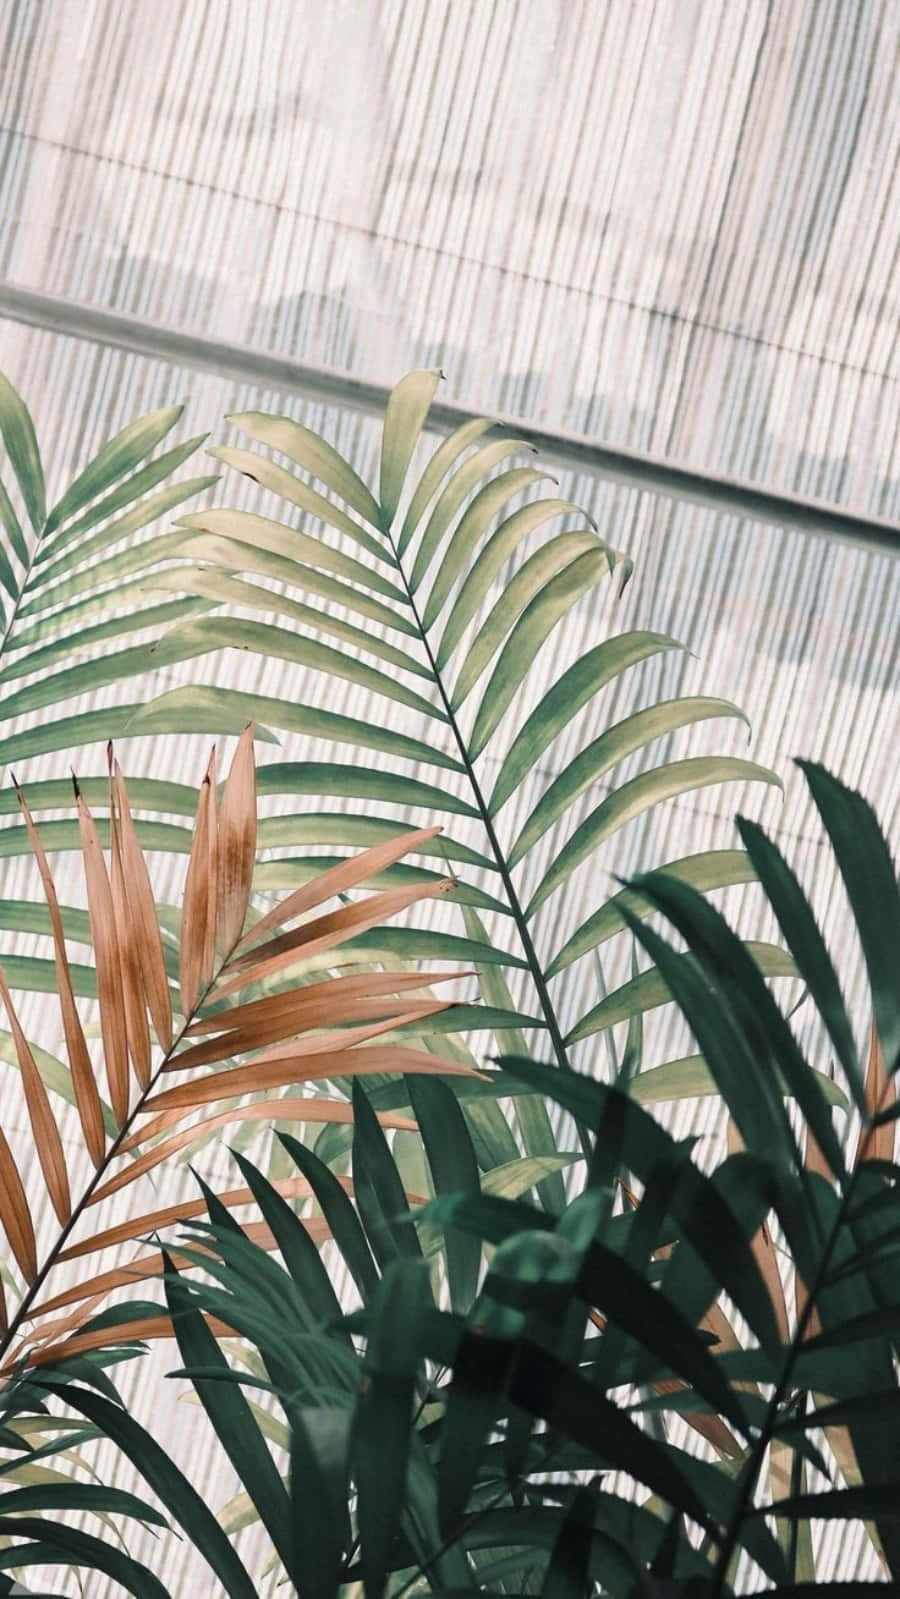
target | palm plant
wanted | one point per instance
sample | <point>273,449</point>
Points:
<point>527,1435</point>
<point>245,1013</point>
<point>395,593</point>
<point>79,609</point>
<point>411,616</point>
<point>433,597</point>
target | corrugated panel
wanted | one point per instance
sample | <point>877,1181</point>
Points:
<point>669,228</point>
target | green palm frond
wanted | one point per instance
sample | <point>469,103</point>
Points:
<point>436,596</point>
<point>79,581</point>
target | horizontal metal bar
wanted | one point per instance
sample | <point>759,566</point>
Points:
<point>633,468</point>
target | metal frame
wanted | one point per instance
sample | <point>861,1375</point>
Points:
<point>630,467</point>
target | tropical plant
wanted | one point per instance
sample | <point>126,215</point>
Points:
<point>245,1013</point>
<point>79,609</point>
<point>525,1431</point>
<point>441,583</point>
<point>422,645</point>
<point>434,596</point>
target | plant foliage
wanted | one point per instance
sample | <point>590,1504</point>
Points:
<point>77,584</point>
<point>601,1391</point>
<point>435,594</point>
<point>528,1428</point>
<point>393,591</point>
<point>232,1021</point>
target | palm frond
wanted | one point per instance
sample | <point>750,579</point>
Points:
<point>80,580</point>
<point>284,1030</point>
<point>436,595</point>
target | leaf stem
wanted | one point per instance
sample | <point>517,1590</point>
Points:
<point>537,974</point>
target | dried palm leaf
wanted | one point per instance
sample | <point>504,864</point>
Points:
<point>307,1031</point>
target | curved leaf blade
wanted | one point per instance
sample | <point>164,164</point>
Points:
<point>578,684</point>
<point>605,752</point>
<point>635,797</point>
<point>649,989</point>
<point>710,870</point>
<point>453,496</point>
<point>407,410</point>
<point>478,515</point>
<point>551,562</point>
<point>312,454</point>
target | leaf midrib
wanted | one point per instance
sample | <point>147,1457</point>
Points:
<point>527,943</point>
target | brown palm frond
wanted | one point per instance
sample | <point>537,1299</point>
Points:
<point>145,1267</point>
<point>144,934</point>
<point>84,1084</point>
<point>299,1031</point>
<point>137,1026</point>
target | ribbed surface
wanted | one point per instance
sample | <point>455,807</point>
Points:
<point>666,227</point>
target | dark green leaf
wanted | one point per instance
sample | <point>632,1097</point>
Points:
<point>380,1197</point>
<point>168,1483</point>
<point>53,1541</point>
<point>806,944</point>
<point>728,963</point>
<point>870,879</point>
<point>709,1222</point>
<point>299,1253</point>
<point>338,1213</point>
<point>868,1500</point>
<point>454,1169</point>
<point>381,1428</point>
<point>232,1418</point>
<point>59,1496</point>
<point>319,1469</point>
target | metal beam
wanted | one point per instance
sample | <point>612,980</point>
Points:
<point>730,496</point>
